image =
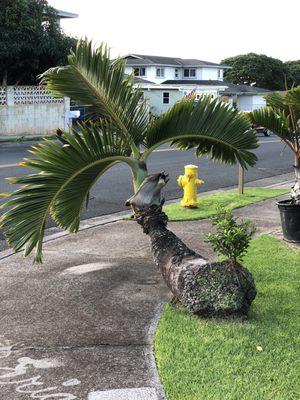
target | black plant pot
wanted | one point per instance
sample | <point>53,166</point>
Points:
<point>290,220</point>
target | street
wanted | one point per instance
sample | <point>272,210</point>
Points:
<point>111,191</point>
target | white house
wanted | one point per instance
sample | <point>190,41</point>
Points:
<point>160,69</point>
<point>165,80</point>
<point>60,14</point>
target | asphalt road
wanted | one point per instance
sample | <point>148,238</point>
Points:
<point>111,191</point>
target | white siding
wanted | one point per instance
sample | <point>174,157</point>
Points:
<point>154,96</point>
<point>129,71</point>
<point>151,73</point>
<point>210,74</point>
<point>249,103</point>
<point>155,100</point>
<point>258,102</point>
<point>169,74</point>
<point>201,73</point>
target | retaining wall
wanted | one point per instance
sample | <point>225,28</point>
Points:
<point>26,110</point>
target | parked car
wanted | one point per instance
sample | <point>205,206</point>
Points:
<point>261,129</point>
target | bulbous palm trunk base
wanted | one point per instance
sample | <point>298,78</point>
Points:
<point>295,189</point>
<point>207,289</point>
<point>218,289</point>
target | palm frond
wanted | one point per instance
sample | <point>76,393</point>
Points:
<point>91,78</point>
<point>275,120</point>
<point>63,176</point>
<point>213,127</point>
<point>287,102</point>
<point>277,100</point>
<point>293,98</point>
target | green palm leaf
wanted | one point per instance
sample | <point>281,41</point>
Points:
<point>91,78</point>
<point>277,100</point>
<point>213,127</point>
<point>275,120</point>
<point>287,102</point>
<point>64,175</point>
<point>293,98</point>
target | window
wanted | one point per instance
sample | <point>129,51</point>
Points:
<point>189,73</point>
<point>176,73</point>
<point>139,71</point>
<point>160,72</point>
<point>219,74</point>
<point>166,98</point>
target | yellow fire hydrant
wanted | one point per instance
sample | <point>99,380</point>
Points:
<point>189,182</point>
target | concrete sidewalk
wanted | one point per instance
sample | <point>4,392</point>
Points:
<point>81,325</point>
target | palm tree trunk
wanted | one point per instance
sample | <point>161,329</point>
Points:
<point>295,191</point>
<point>139,173</point>
<point>203,288</point>
<point>4,78</point>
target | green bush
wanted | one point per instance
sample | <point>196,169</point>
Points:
<point>231,238</point>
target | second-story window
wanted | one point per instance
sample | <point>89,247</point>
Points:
<point>166,98</point>
<point>219,74</point>
<point>189,72</point>
<point>160,72</point>
<point>139,71</point>
<point>176,73</point>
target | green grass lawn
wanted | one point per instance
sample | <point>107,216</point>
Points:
<point>231,199</point>
<point>253,359</point>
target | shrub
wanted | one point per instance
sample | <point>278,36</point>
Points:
<point>231,238</point>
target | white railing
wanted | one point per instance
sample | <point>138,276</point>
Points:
<point>33,95</point>
<point>2,96</point>
<point>11,95</point>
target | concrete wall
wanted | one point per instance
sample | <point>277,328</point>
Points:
<point>31,110</point>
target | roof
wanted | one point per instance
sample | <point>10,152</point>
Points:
<point>243,89</point>
<point>194,82</point>
<point>144,59</point>
<point>231,88</point>
<point>65,14</point>
<point>136,79</point>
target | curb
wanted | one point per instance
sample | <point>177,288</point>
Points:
<point>23,138</point>
<point>149,353</point>
<point>109,218</point>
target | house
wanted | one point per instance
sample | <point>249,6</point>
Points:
<point>60,14</point>
<point>166,80</point>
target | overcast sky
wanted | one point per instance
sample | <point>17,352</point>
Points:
<point>205,29</point>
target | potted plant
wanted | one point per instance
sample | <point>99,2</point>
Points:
<point>282,117</point>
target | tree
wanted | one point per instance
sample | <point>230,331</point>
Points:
<point>31,41</point>
<point>256,69</point>
<point>293,73</point>
<point>203,288</point>
<point>119,128</point>
<point>282,116</point>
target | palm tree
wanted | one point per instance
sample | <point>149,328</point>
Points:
<point>119,127</point>
<point>282,117</point>
<point>202,287</point>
